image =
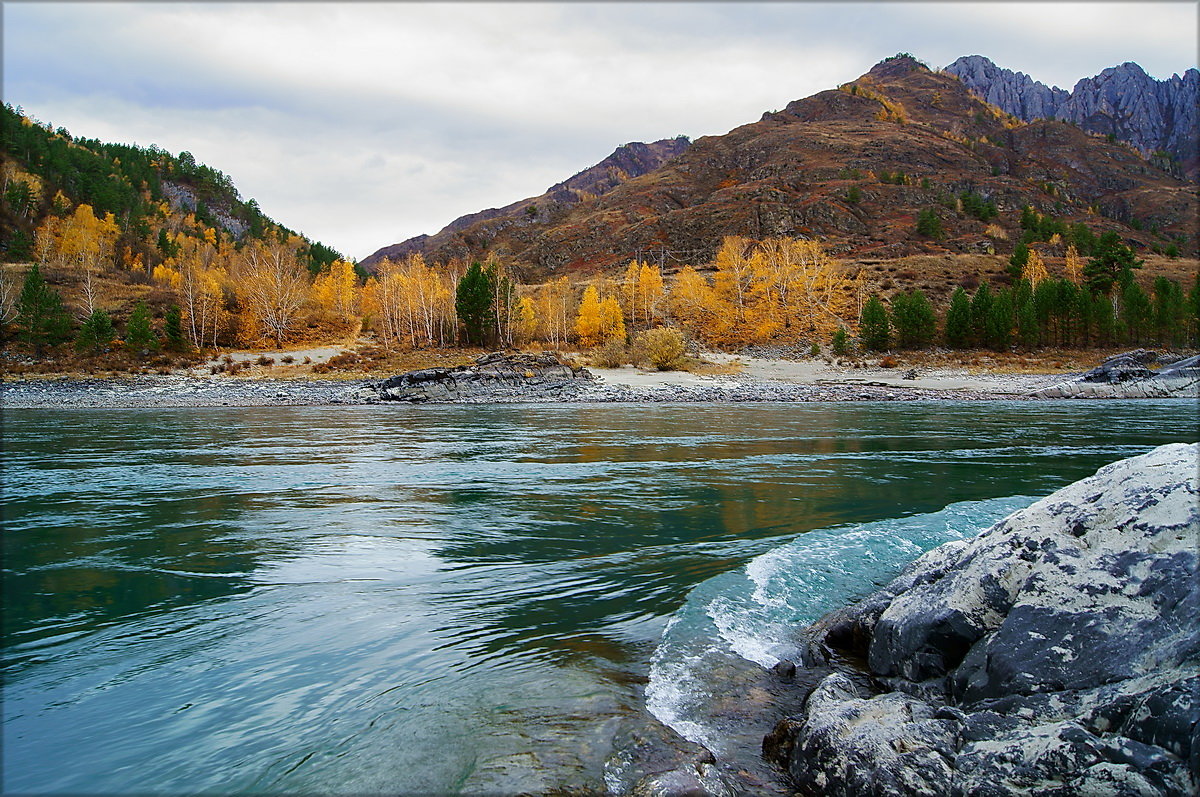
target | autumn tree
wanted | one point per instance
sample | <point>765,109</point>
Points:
<point>414,303</point>
<point>694,303</point>
<point>504,301</point>
<point>1034,269</point>
<point>588,322</point>
<point>1074,265</point>
<point>555,302</point>
<point>82,243</point>
<point>641,292</point>
<point>201,282</point>
<point>336,289</point>
<point>525,323</point>
<point>272,287</point>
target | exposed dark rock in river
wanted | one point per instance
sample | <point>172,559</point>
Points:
<point>1056,653</point>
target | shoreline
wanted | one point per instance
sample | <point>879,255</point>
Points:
<point>781,381</point>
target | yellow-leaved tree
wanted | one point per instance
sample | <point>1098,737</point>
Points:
<point>587,323</point>
<point>336,289</point>
<point>1035,269</point>
<point>416,304</point>
<point>201,282</point>
<point>1074,264</point>
<point>272,287</point>
<point>555,301</point>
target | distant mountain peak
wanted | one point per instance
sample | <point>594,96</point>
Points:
<point>1122,101</point>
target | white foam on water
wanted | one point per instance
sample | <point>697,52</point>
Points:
<point>752,613</point>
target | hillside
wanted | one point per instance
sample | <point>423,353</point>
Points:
<point>626,162</point>
<point>853,167</point>
<point>48,172</point>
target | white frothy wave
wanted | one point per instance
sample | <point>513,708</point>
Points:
<point>752,612</point>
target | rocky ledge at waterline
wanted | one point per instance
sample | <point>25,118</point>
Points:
<point>1128,375</point>
<point>1056,653</point>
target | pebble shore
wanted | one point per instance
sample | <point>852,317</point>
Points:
<point>218,391</point>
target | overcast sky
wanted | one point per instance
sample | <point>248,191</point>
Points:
<point>365,124</point>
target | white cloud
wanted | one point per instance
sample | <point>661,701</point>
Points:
<point>362,124</point>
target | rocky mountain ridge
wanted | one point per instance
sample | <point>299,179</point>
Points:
<point>853,167</point>
<point>1122,101</point>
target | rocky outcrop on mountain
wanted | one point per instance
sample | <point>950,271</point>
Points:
<point>493,377</point>
<point>456,238</point>
<point>1012,92</point>
<point>1129,375</point>
<point>1122,101</point>
<point>1056,653</point>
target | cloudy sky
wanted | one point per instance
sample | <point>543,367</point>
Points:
<point>364,124</point>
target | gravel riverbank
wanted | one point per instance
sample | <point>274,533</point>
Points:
<point>217,391</point>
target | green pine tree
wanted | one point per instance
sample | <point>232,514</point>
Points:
<point>1000,321</point>
<point>41,317</point>
<point>1136,313</point>
<point>981,308</point>
<point>173,329</point>
<point>928,224</point>
<point>96,333</point>
<point>1104,319</point>
<point>138,334</point>
<point>873,325</point>
<point>841,341</point>
<point>913,320</point>
<point>473,303</point>
<point>1112,263</point>
<point>958,320</point>
<point>1016,263</point>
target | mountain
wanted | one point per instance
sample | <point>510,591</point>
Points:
<point>1122,101</point>
<point>626,162</point>
<point>856,167</point>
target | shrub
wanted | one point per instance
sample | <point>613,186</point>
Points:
<point>265,360</point>
<point>287,359</point>
<point>662,347</point>
<point>612,354</point>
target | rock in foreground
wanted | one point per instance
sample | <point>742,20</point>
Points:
<point>1056,653</point>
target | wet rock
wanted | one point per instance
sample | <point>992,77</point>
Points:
<point>1056,653</point>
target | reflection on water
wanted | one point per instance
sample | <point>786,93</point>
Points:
<point>391,599</point>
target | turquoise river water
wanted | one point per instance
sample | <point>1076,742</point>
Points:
<point>460,598</point>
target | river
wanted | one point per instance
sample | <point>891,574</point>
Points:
<point>441,599</point>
